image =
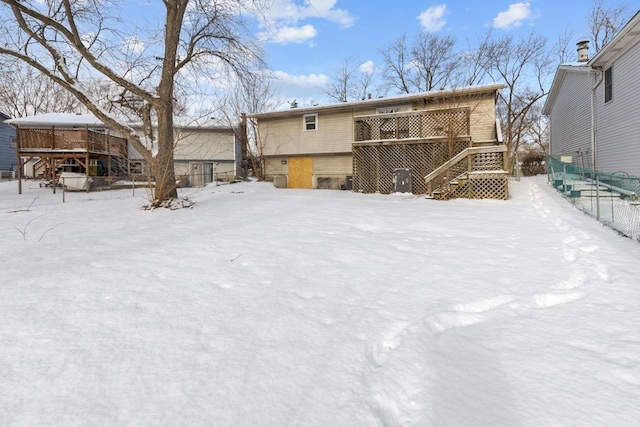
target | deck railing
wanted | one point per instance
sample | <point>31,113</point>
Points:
<point>422,124</point>
<point>487,161</point>
<point>52,139</point>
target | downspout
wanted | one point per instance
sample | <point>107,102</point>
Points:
<point>598,76</point>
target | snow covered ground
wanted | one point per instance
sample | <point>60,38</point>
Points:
<point>272,307</point>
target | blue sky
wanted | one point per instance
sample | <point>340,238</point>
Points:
<point>308,39</point>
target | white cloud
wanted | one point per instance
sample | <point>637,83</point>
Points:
<point>513,17</point>
<point>285,35</point>
<point>311,80</point>
<point>367,67</point>
<point>305,89</point>
<point>432,19</point>
<point>282,18</point>
<point>325,9</point>
<point>289,11</point>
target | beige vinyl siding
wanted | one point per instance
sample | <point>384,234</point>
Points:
<point>332,165</point>
<point>334,134</point>
<point>335,165</point>
<point>199,145</point>
<point>617,129</point>
<point>570,118</point>
<point>483,120</point>
<point>274,166</point>
<point>287,135</point>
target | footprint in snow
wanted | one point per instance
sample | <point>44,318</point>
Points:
<point>551,299</point>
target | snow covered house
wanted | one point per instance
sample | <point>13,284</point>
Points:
<point>441,142</point>
<point>8,156</point>
<point>81,143</point>
<point>594,105</point>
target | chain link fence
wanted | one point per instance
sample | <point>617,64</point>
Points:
<point>39,192</point>
<point>612,198</point>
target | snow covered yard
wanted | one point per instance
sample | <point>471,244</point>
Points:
<point>275,307</point>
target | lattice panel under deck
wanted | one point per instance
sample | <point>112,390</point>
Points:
<point>489,186</point>
<point>374,165</point>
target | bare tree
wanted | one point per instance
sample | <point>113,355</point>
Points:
<point>433,62</point>
<point>252,95</point>
<point>341,87</point>
<point>523,66</point>
<point>24,92</point>
<point>352,81</point>
<point>364,83</point>
<point>428,63</point>
<point>395,71</point>
<point>605,21</point>
<point>77,42</point>
<point>563,46</point>
<point>472,63</point>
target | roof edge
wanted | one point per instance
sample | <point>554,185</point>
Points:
<point>381,101</point>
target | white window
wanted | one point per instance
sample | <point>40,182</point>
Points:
<point>310,121</point>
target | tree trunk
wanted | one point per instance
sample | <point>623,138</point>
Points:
<point>162,165</point>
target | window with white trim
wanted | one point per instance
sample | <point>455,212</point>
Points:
<point>310,122</point>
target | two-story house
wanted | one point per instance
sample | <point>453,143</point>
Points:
<point>369,145</point>
<point>594,106</point>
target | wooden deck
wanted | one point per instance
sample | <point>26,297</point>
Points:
<point>58,141</point>
<point>61,146</point>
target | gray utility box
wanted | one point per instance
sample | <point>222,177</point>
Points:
<point>402,180</point>
<point>280,181</point>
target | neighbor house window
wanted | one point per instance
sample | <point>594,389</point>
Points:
<point>608,85</point>
<point>310,121</point>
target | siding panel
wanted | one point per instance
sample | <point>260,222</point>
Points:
<point>570,119</point>
<point>618,121</point>
<point>8,156</point>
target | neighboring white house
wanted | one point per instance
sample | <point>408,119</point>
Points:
<point>204,153</point>
<point>594,106</point>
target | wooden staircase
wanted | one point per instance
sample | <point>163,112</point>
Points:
<point>474,173</point>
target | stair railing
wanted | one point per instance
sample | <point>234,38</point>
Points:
<point>454,167</point>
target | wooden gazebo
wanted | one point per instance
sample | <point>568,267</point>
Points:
<point>58,138</point>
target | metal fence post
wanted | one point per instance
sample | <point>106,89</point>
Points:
<point>597,197</point>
